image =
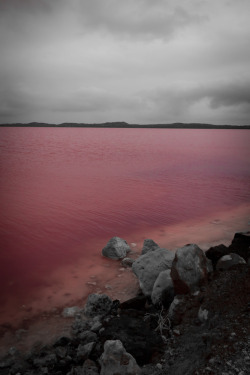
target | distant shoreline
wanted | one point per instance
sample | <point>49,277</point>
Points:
<point>177,125</point>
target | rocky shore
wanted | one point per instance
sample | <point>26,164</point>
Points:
<point>190,316</point>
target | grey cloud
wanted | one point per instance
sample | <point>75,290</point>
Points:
<point>28,6</point>
<point>20,103</point>
<point>15,102</point>
<point>218,94</point>
<point>231,94</point>
<point>143,18</point>
<point>217,102</point>
<point>94,99</point>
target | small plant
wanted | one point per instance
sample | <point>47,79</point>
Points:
<point>162,319</point>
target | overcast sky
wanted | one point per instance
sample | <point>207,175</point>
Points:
<point>140,61</point>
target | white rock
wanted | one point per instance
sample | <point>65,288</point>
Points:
<point>115,360</point>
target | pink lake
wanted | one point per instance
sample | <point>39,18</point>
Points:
<point>64,192</point>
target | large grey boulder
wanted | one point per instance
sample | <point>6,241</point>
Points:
<point>190,269</point>
<point>116,248</point>
<point>228,261</point>
<point>115,360</point>
<point>148,267</point>
<point>98,305</point>
<point>163,289</point>
<point>149,245</point>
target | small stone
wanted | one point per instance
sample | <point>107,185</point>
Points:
<point>203,315</point>
<point>127,262</point>
<point>70,312</point>
<point>208,369</point>
<point>87,337</point>
<point>89,368</point>
<point>176,332</point>
<point>96,327</point>
<point>13,351</point>
<point>212,361</point>
<point>83,351</point>
<point>196,293</point>
<point>108,286</point>
<point>159,366</point>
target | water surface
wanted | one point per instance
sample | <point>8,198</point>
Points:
<point>65,191</point>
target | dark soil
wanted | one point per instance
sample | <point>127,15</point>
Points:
<point>216,341</point>
<point>220,344</point>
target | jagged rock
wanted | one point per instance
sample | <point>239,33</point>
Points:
<point>163,289</point>
<point>48,360</point>
<point>61,352</point>
<point>115,360</point>
<point>241,245</point>
<point>216,252</point>
<point>228,261</point>
<point>62,341</point>
<point>116,248</point>
<point>96,326</point>
<point>189,270</point>
<point>87,337</point>
<point>127,262</point>
<point>149,245</point>
<point>148,267</point>
<point>83,351</point>
<point>97,305</point>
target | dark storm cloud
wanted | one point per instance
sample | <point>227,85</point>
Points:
<point>218,94</point>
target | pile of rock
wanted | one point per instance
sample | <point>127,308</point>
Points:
<point>162,274</point>
<point>110,338</point>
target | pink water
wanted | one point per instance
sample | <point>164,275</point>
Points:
<point>65,191</point>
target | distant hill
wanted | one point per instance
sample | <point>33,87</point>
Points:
<point>122,124</point>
